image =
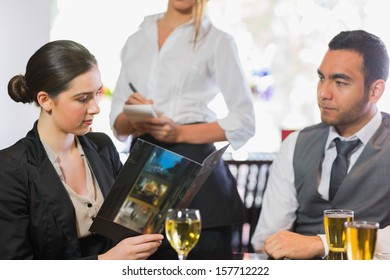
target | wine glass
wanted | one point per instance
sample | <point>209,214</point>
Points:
<point>182,228</point>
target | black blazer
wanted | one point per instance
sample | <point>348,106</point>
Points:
<point>37,218</point>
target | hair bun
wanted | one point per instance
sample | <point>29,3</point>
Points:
<point>18,90</point>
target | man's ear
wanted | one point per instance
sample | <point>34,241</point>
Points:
<point>44,101</point>
<point>376,90</point>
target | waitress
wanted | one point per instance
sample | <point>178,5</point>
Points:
<point>178,61</point>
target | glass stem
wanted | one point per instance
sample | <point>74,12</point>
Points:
<point>182,257</point>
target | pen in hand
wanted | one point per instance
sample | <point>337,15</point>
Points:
<point>136,97</point>
<point>132,87</point>
<point>139,98</point>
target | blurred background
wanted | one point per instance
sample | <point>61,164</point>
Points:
<point>281,44</point>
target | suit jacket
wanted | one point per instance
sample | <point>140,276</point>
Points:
<point>37,218</point>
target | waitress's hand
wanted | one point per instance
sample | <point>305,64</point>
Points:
<point>134,248</point>
<point>137,98</point>
<point>163,129</point>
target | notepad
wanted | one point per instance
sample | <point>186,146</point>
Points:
<point>138,112</point>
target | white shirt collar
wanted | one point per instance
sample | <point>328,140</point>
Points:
<point>364,134</point>
<point>151,20</point>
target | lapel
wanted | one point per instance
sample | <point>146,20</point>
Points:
<point>100,163</point>
<point>48,184</point>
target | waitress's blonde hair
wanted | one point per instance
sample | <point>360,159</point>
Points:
<point>198,13</point>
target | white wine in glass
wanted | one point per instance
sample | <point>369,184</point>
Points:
<point>182,228</point>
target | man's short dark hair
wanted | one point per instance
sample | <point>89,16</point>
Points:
<point>372,50</point>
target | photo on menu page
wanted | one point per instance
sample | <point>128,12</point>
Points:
<point>152,180</point>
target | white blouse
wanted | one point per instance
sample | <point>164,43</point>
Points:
<point>86,207</point>
<point>183,78</point>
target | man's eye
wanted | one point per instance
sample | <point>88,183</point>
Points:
<point>340,83</point>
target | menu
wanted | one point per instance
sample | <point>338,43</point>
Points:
<point>152,180</point>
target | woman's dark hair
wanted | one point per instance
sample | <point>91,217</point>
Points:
<point>51,69</point>
<point>372,50</point>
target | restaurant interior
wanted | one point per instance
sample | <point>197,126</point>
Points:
<point>280,43</point>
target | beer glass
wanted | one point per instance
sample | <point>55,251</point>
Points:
<point>334,220</point>
<point>182,228</point>
<point>360,239</point>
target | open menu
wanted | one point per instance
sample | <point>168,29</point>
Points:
<point>151,181</point>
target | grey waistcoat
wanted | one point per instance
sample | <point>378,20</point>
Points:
<point>365,189</point>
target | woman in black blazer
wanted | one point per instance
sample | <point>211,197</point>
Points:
<point>53,181</point>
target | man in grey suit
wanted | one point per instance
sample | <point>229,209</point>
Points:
<point>302,185</point>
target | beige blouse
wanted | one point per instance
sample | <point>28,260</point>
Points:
<point>86,207</point>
